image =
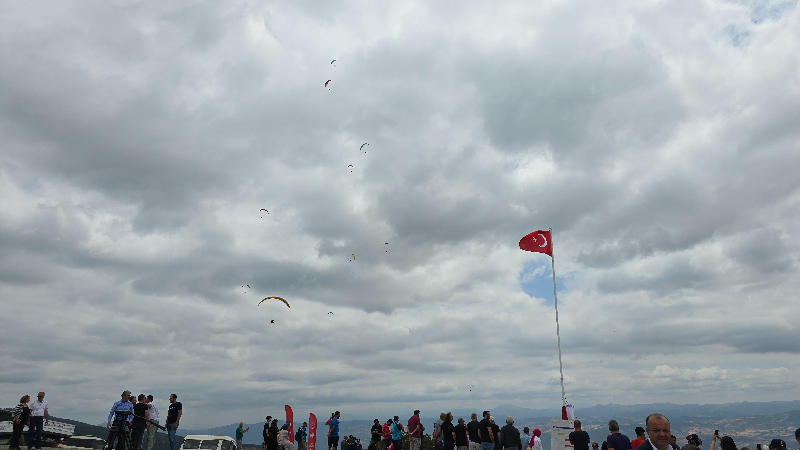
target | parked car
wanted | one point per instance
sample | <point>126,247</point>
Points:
<point>205,442</point>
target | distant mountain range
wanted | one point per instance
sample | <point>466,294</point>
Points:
<point>747,422</point>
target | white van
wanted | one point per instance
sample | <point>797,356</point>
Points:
<point>205,442</point>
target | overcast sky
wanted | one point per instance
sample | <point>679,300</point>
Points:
<point>139,140</point>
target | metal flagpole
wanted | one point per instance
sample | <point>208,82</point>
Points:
<point>558,335</point>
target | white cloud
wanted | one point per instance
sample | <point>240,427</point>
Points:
<point>659,141</point>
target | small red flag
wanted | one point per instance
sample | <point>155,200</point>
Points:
<point>538,241</point>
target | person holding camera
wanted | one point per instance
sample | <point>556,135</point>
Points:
<point>140,423</point>
<point>121,416</point>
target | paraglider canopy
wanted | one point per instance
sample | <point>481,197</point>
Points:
<point>279,298</point>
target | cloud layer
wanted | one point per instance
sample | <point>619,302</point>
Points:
<point>140,140</point>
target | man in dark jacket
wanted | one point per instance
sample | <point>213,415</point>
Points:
<point>509,435</point>
<point>658,433</point>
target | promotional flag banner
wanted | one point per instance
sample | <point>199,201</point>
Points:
<point>312,431</point>
<point>538,241</point>
<point>290,421</point>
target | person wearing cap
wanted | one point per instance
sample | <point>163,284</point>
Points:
<point>397,433</point>
<point>694,442</point>
<point>777,444</point>
<point>121,411</point>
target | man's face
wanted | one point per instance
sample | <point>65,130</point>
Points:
<point>487,415</point>
<point>172,398</point>
<point>40,396</point>
<point>659,432</point>
<point>125,397</point>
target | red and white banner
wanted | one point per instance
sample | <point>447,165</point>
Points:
<point>538,241</point>
<point>290,421</point>
<point>312,431</point>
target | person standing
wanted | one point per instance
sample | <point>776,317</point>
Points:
<point>536,440</point>
<point>376,431</point>
<point>174,413</point>
<point>151,429</point>
<point>525,437</point>
<point>437,432</point>
<point>397,433</point>
<point>448,432</point>
<point>265,433</point>
<point>387,434</point>
<point>140,423</point>
<point>302,436</point>
<point>283,438</point>
<point>272,443</point>
<point>39,417</point>
<point>639,437</point>
<point>617,440</point>
<point>414,432</point>
<point>509,436</point>
<point>20,416</point>
<point>240,434</point>
<point>580,439</point>
<point>485,432</point>
<point>462,439</point>
<point>496,433</point>
<point>333,431</point>
<point>121,411</point>
<point>474,435</point>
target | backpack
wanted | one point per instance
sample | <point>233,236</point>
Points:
<point>298,435</point>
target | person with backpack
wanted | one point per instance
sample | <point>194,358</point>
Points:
<point>397,433</point>
<point>301,436</point>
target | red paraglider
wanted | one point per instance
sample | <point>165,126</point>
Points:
<point>326,83</point>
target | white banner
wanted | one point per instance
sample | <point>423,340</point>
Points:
<point>559,434</point>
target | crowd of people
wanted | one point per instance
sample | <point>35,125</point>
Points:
<point>131,419</point>
<point>486,434</point>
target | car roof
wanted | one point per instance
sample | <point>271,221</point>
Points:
<point>207,437</point>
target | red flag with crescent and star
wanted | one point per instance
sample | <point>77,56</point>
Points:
<point>538,241</point>
<point>312,431</point>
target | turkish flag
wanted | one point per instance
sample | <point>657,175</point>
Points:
<point>538,241</point>
<point>312,431</point>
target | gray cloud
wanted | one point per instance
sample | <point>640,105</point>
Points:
<point>141,140</point>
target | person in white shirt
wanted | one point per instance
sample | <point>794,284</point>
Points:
<point>151,431</point>
<point>39,417</point>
